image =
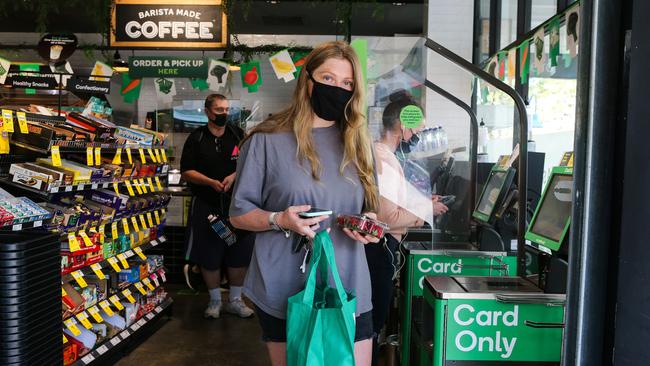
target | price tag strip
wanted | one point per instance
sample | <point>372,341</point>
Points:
<point>71,324</point>
<point>138,251</point>
<point>115,300</point>
<point>94,312</point>
<point>97,268</point>
<point>83,318</point>
<point>113,262</point>
<point>128,296</point>
<point>106,307</point>
<point>79,277</point>
<point>140,288</point>
<point>123,261</point>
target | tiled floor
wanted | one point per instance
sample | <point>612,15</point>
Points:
<point>189,339</point>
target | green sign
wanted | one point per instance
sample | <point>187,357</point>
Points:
<point>487,330</point>
<point>168,67</point>
<point>445,265</point>
<point>411,116</point>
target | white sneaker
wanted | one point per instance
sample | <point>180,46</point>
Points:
<point>238,308</point>
<point>213,310</point>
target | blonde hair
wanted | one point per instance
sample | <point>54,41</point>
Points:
<point>356,138</point>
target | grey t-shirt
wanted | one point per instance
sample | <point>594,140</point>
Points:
<point>270,177</point>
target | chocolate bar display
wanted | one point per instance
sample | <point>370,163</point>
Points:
<point>362,224</point>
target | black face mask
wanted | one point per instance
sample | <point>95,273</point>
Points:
<point>219,119</point>
<point>329,101</point>
<point>408,146</point>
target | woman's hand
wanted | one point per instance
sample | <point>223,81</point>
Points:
<point>216,185</point>
<point>364,239</point>
<point>438,207</point>
<point>290,220</point>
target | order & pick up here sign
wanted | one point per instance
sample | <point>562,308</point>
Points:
<point>168,67</point>
<point>198,24</point>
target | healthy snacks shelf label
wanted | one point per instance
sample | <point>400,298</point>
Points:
<point>198,24</point>
<point>486,330</point>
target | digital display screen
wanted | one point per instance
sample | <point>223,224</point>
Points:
<point>555,209</point>
<point>491,193</point>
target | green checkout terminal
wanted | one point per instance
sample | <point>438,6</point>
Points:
<point>449,258</point>
<point>519,320</point>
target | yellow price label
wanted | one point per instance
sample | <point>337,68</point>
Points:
<point>144,224</point>
<point>127,294</point>
<point>97,268</point>
<point>106,307</point>
<point>65,340</point>
<point>8,120</point>
<point>117,159</point>
<point>114,230</point>
<point>22,122</point>
<point>155,214</point>
<point>151,155</point>
<point>125,226</point>
<point>129,188</point>
<point>83,318</point>
<point>94,312</point>
<point>138,251</point>
<point>102,233</point>
<point>113,262</point>
<point>151,186</point>
<point>116,302</point>
<point>128,155</point>
<point>135,224</point>
<point>158,183</point>
<point>143,159</point>
<point>140,288</point>
<point>56,155</point>
<point>79,277</point>
<point>85,238</point>
<point>137,186</point>
<point>157,152</point>
<point>164,155</point>
<point>98,156</point>
<point>148,284</point>
<point>116,187</point>
<point>149,219</point>
<point>163,211</point>
<point>4,142</point>
<point>73,244</point>
<point>89,156</point>
<point>122,259</point>
<point>143,185</point>
<point>71,324</point>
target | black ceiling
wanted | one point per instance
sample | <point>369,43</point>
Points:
<point>371,18</point>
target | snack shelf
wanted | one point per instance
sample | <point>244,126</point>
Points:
<point>105,264</point>
<point>24,225</point>
<point>161,278</point>
<point>103,353</point>
<point>78,187</point>
<point>118,220</point>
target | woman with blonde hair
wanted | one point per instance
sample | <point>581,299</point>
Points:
<point>315,153</point>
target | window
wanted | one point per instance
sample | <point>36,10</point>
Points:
<point>508,22</point>
<point>541,11</point>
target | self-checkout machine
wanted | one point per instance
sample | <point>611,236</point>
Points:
<point>446,258</point>
<point>473,320</point>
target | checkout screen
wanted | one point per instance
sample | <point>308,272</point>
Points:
<point>491,193</point>
<point>555,209</point>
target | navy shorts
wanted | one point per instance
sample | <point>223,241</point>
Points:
<point>275,329</point>
<point>205,248</point>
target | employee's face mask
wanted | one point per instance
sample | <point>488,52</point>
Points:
<point>219,119</point>
<point>328,101</point>
<point>406,146</point>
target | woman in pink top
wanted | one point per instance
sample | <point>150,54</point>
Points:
<point>381,256</point>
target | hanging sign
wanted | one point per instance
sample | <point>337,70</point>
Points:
<point>56,48</point>
<point>85,85</point>
<point>168,66</point>
<point>31,80</point>
<point>198,24</point>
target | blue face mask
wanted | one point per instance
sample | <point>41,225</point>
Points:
<point>408,146</point>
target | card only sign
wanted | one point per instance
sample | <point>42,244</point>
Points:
<point>197,24</point>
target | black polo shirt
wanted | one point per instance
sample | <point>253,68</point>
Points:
<point>214,157</point>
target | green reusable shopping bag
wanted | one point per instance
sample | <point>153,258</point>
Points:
<point>320,318</point>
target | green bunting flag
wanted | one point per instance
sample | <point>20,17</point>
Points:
<point>130,89</point>
<point>554,35</point>
<point>502,59</point>
<point>251,76</point>
<point>200,84</point>
<point>524,61</point>
<point>298,58</point>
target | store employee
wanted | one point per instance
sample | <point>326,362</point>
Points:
<point>208,164</point>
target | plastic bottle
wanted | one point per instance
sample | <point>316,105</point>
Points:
<point>482,138</point>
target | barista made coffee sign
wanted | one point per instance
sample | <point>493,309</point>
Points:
<point>199,24</point>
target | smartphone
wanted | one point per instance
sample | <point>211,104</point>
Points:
<point>315,212</point>
<point>447,200</point>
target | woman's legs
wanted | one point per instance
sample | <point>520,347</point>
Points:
<point>362,353</point>
<point>277,353</point>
